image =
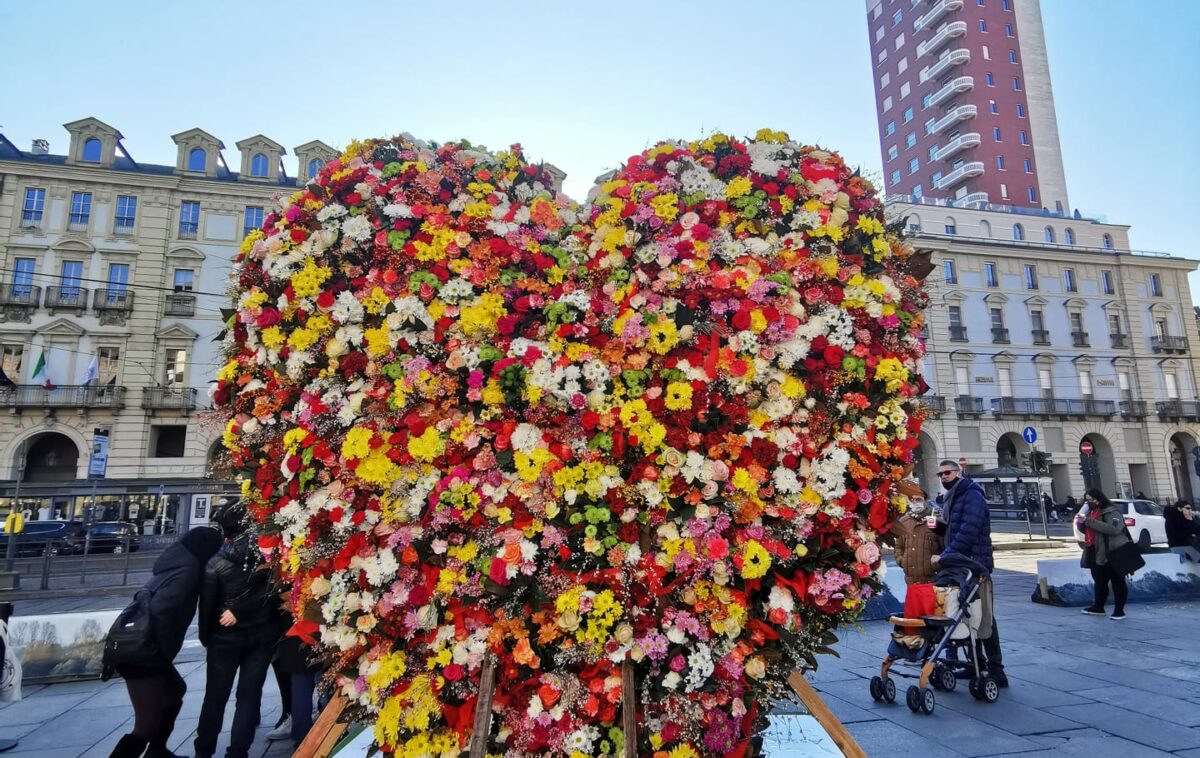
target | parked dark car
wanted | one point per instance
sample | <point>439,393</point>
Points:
<point>59,537</point>
<point>110,537</point>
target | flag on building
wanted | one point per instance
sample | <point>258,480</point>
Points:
<point>93,371</point>
<point>41,371</point>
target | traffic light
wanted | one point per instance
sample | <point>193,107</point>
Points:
<point>1089,466</point>
<point>1040,462</point>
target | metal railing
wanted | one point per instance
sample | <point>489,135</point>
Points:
<point>965,171</point>
<point>1133,408</point>
<point>113,299</point>
<point>951,88</point>
<point>965,404</point>
<point>936,12</point>
<point>958,334</point>
<point>20,294</point>
<point>188,230</point>
<point>948,61</point>
<point>180,304</point>
<point>1119,340</point>
<point>1168,344</point>
<point>67,297</point>
<point>944,35</point>
<point>1080,339</point>
<point>999,335</point>
<point>1041,406</point>
<point>933,403</point>
<point>1041,336</point>
<point>961,113</point>
<point>64,396</point>
<point>1177,409</point>
<point>168,398</point>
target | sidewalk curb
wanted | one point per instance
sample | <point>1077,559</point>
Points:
<point>1028,544</point>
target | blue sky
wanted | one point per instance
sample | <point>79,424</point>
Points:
<point>585,85</point>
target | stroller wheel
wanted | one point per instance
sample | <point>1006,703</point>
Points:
<point>876,689</point>
<point>989,691</point>
<point>973,688</point>
<point>913,699</point>
<point>889,690</point>
<point>927,701</point>
<point>945,678</point>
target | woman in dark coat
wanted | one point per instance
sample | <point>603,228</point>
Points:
<point>1104,531</point>
<point>156,692</point>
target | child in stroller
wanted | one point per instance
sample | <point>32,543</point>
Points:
<point>940,647</point>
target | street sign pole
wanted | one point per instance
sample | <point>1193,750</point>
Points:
<point>97,466</point>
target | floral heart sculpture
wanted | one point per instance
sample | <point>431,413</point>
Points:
<point>477,422</point>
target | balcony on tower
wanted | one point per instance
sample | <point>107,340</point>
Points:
<point>958,144</point>
<point>944,35</point>
<point>936,12</point>
<point>953,116</point>
<point>953,87</point>
<point>974,199</point>
<point>945,63</point>
<point>965,171</point>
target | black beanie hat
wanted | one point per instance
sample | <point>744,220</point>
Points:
<point>202,542</point>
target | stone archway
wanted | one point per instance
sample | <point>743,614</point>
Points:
<point>1105,477</point>
<point>1009,449</point>
<point>1179,448</point>
<point>49,457</point>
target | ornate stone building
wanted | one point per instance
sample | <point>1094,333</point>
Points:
<point>113,274</point>
<point>1047,320</point>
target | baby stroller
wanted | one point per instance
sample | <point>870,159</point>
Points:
<point>939,649</point>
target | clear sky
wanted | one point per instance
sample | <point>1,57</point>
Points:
<point>585,85</point>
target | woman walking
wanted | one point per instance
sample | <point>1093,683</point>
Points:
<point>156,690</point>
<point>1104,533</point>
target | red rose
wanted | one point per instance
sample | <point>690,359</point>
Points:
<point>299,235</point>
<point>325,300</point>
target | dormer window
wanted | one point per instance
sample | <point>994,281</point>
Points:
<point>197,159</point>
<point>91,150</point>
<point>315,166</point>
<point>258,165</point>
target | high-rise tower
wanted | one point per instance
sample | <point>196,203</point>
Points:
<point>966,110</point>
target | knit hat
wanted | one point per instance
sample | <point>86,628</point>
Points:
<point>231,519</point>
<point>202,542</point>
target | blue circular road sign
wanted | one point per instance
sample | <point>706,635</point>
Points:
<point>1030,435</point>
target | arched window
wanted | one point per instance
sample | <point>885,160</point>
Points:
<point>314,167</point>
<point>1108,243</point>
<point>197,159</point>
<point>91,150</point>
<point>1069,236</point>
<point>1048,233</point>
<point>985,229</point>
<point>951,227</point>
<point>258,165</point>
<point>1018,232</point>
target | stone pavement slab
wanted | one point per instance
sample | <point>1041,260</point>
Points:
<point>1146,703</point>
<point>1160,733</point>
<point>1091,743</point>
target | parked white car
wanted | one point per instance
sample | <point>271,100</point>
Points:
<point>1143,518</point>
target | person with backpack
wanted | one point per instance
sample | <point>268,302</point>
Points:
<point>1104,532</point>
<point>161,613</point>
<point>238,626</point>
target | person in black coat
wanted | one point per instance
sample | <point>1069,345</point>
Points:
<point>156,692</point>
<point>238,625</point>
<point>1182,524</point>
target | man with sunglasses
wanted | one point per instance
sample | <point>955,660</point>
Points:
<point>967,529</point>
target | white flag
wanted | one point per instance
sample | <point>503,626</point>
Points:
<point>93,371</point>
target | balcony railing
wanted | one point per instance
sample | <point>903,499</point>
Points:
<point>999,335</point>
<point>188,230</point>
<point>944,35</point>
<point>966,405</point>
<point>169,398</point>
<point>113,299</point>
<point>65,396</point>
<point>950,60</point>
<point>123,227</point>
<point>933,403</point>
<point>952,88</point>
<point>1080,339</point>
<point>972,200</point>
<point>1133,408</point>
<point>965,171</point>
<point>936,12</point>
<point>27,295</point>
<point>959,143</point>
<point>958,334</point>
<point>180,304</point>
<point>1161,344</point>
<point>1041,406</point>
<point>67,297</point>
<point>1178,409</point>
<point>953,116</point>
<point>1041,336</point>
<point>1118,339</point>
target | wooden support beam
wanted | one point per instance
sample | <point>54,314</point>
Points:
<point>325,732</point>
<point>816,706</point>
<point>629,708</point>
<point>483,708</point>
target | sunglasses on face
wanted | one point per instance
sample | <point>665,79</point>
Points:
<point>947,473</point>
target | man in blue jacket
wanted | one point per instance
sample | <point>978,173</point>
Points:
<point>967,528</point>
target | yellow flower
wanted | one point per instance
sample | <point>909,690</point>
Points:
<point>755,560</point>
<point>738,186</point>
<point>377,468</point>
<point>479,318</point>
<point>301,339</point>
<point>428,446</point>
<point>391,667</point>
<point>255,299</point>
<point>663,336</point>
<point>293,438</point>
<point>678,397</point>
<point>307,281</point>
<point>357,443</point>
<point>378,341</point>
<point>228,372</point>
<point>892,372</point>
<point>375,301</point>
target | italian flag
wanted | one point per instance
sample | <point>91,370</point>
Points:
<point>41,372</point>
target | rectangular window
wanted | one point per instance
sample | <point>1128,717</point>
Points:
<point>997,315</point>
<point>879,34</point>
<point>72,275</point>
<point>914,165</point>
<point>917,192</point>
<point>10,362</point>
<point>1031,279</point>
<point>183,279</point>
<point>951,228</point>
<point>1008,30</point>
<point>1076,319</point>
<point>1028,166</point>
<point>126,214</point>
<point>890,129</point>
<point>1032,194</point>
<point>1156,285</point>
<point>1172,386</point>
<point>168,441</point>
<point>908,114</point>
<point>900,40</point>
<point>989,275</point>
<point>983,26</point>
<point>23,269</point>
<point>955,314</point>
<point>1024,138</point>
<point>1085,382</point>
<point>987,55</point>
<point>933,152</point>
<point>1000,162</point>
<point>895,177</point>
<point>175,374</point>
<point>991,80</point>
<point>1069,280</point>
<point>996,134</point>
<point>992,106</point>
<point>925,100</point>
<point>902,66</point>
<point>1006,4</point>
<point>905,89</point>
<point>118,282</point>
<point>1016,84</point>
<point>1114,324</point>
<point>885,80</point>
<point>1160,327</point>
<point>929,126</point>
<point>910,139</point>
<point>962,377</point>
<point>108,361</point>
<point>948,266</point>
<point>1123,384</point>
<point>35,204</point>
<point>81,210</point>
<point>893,153</point>
<point>882,56</point>
<point>887,103</point>
<point>1003,190</point>
<point>1020,110</point>
<point>1012,56</point>
<point>1046,382</point>
<point>1106,282</point>
<point>1004,374</point>
<point>1037,321</point>
<point>936,179</point>
<point>897,17</point>
<point>253,221</point>
<point>189,220</point>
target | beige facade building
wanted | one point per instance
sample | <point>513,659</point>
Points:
<point>113,276</point>
<point>1050,321</point>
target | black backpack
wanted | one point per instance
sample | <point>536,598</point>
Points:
<point>130,640</point>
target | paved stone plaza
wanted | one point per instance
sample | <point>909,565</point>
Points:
<point>1081,685</point>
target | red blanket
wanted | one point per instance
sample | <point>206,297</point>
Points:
<point>920,601</point>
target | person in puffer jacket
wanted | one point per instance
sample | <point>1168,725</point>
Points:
<point>156,692</point>
<point>238,626</point>
<point>967,530</point>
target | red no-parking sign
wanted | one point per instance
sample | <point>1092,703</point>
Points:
<point>1086,447</point>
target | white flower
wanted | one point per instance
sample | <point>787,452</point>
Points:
<point>785,480</point>
<point>526,438</point>
<point>357,228</point>
<point>397,210</point>
<point>346,308</point>
<point>331,211</point>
